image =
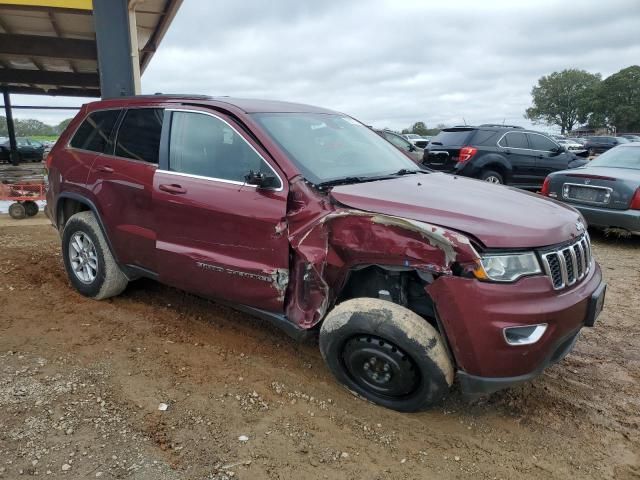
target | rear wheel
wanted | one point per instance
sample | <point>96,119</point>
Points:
<point>491,176</point>
<point>17,211</point>
<point>31,208</point>
<point>386,353</point>
<point>90,265</point>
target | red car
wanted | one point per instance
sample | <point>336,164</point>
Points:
<point>307,218</point>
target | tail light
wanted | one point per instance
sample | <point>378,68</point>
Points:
<point>466,153</point>
<point>545,187</point>
<point>635,201</point>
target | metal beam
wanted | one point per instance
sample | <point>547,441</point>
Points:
<point>40,77</point>
<point>41,46</point>
<point>113,39</point>
<point>13,146</point>
<point>57,91</point>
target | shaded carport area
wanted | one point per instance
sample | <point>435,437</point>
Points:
<point>78,48</point>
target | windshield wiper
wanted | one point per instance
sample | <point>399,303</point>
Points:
<point>348,180</point>
<point>342,181</point>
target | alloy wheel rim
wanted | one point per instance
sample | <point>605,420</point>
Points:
<point>380,367</point>
<point>492,179</point>
<point>83,257</point>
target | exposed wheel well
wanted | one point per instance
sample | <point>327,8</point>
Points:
<point>67,207</point>
<point>404,287</point>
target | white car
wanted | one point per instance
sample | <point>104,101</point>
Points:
<point>417,140</point>
<point>571,146</point>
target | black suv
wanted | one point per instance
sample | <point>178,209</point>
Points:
<point>498,154</point>
<point>597,145</point>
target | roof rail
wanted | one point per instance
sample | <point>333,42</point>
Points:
<point>500,125</point>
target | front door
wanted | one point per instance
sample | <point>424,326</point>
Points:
<point>216,235</point>
<point>548,157</point>
<point>515,147</point>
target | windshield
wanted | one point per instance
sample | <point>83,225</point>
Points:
<point>329,147</point>
<point>619,157</point>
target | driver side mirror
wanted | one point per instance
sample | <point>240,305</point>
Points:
<point>558,150</point>
<point>260,180</point>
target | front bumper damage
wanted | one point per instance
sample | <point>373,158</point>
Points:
<point>474,326</point>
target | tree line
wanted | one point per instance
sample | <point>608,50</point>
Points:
<point>575,97</point>
<point>31,127</point>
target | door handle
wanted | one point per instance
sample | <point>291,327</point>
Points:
<point>104,168</point>
<point>172,188</point>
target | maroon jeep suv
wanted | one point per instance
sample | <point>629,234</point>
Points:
<point>307,218</point>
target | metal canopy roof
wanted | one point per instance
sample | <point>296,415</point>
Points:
<point>49,47</point>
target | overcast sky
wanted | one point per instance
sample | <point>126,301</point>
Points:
<point>389,63</point>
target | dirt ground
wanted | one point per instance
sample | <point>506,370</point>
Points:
<point>81,382</point>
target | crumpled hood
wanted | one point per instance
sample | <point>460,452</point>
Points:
<point>498,216</point>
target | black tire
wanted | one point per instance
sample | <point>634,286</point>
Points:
<point>108,280</point>
<point>492,176</point>
<point>31,208</point>
<point>17,211</point>
<point>591,152</point>
<point>420,371</point>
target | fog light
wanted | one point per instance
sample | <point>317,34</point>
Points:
<point>524,335</point>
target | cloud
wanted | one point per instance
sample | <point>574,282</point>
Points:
<point>391,62</point>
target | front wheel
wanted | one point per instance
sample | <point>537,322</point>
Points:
<point>386,353</point>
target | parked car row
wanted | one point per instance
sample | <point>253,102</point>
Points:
<point>28,150</point>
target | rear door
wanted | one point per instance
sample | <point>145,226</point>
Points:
<point>218,236</point>
<point>122,183</point>
<point>515,147</point>
<point>444,148</point>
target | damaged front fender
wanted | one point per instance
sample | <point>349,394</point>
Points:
<point>328,241</point>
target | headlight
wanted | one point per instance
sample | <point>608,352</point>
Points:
<point>507,268</point>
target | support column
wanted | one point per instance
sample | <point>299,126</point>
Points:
<point>115,43</point>
<point>14,157</point>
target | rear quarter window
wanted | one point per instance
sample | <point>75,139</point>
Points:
<point>454,138</point>
<point>94,133</point>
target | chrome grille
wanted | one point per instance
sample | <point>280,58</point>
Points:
<point>568,264</point>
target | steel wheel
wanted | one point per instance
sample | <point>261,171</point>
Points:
<point>380,367</point>
<point>83,257</point>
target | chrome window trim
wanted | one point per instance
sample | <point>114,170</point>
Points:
<point>598,187</point>
<point>211,179</point>
<point>215,179</point>
<point>528,149</point>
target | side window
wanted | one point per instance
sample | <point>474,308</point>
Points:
<point>139,134</point>
<point>540,142</point>
<point>397,141</point>
<point>206,146</point>
<point>95,131</point>
<point>515,140</point>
